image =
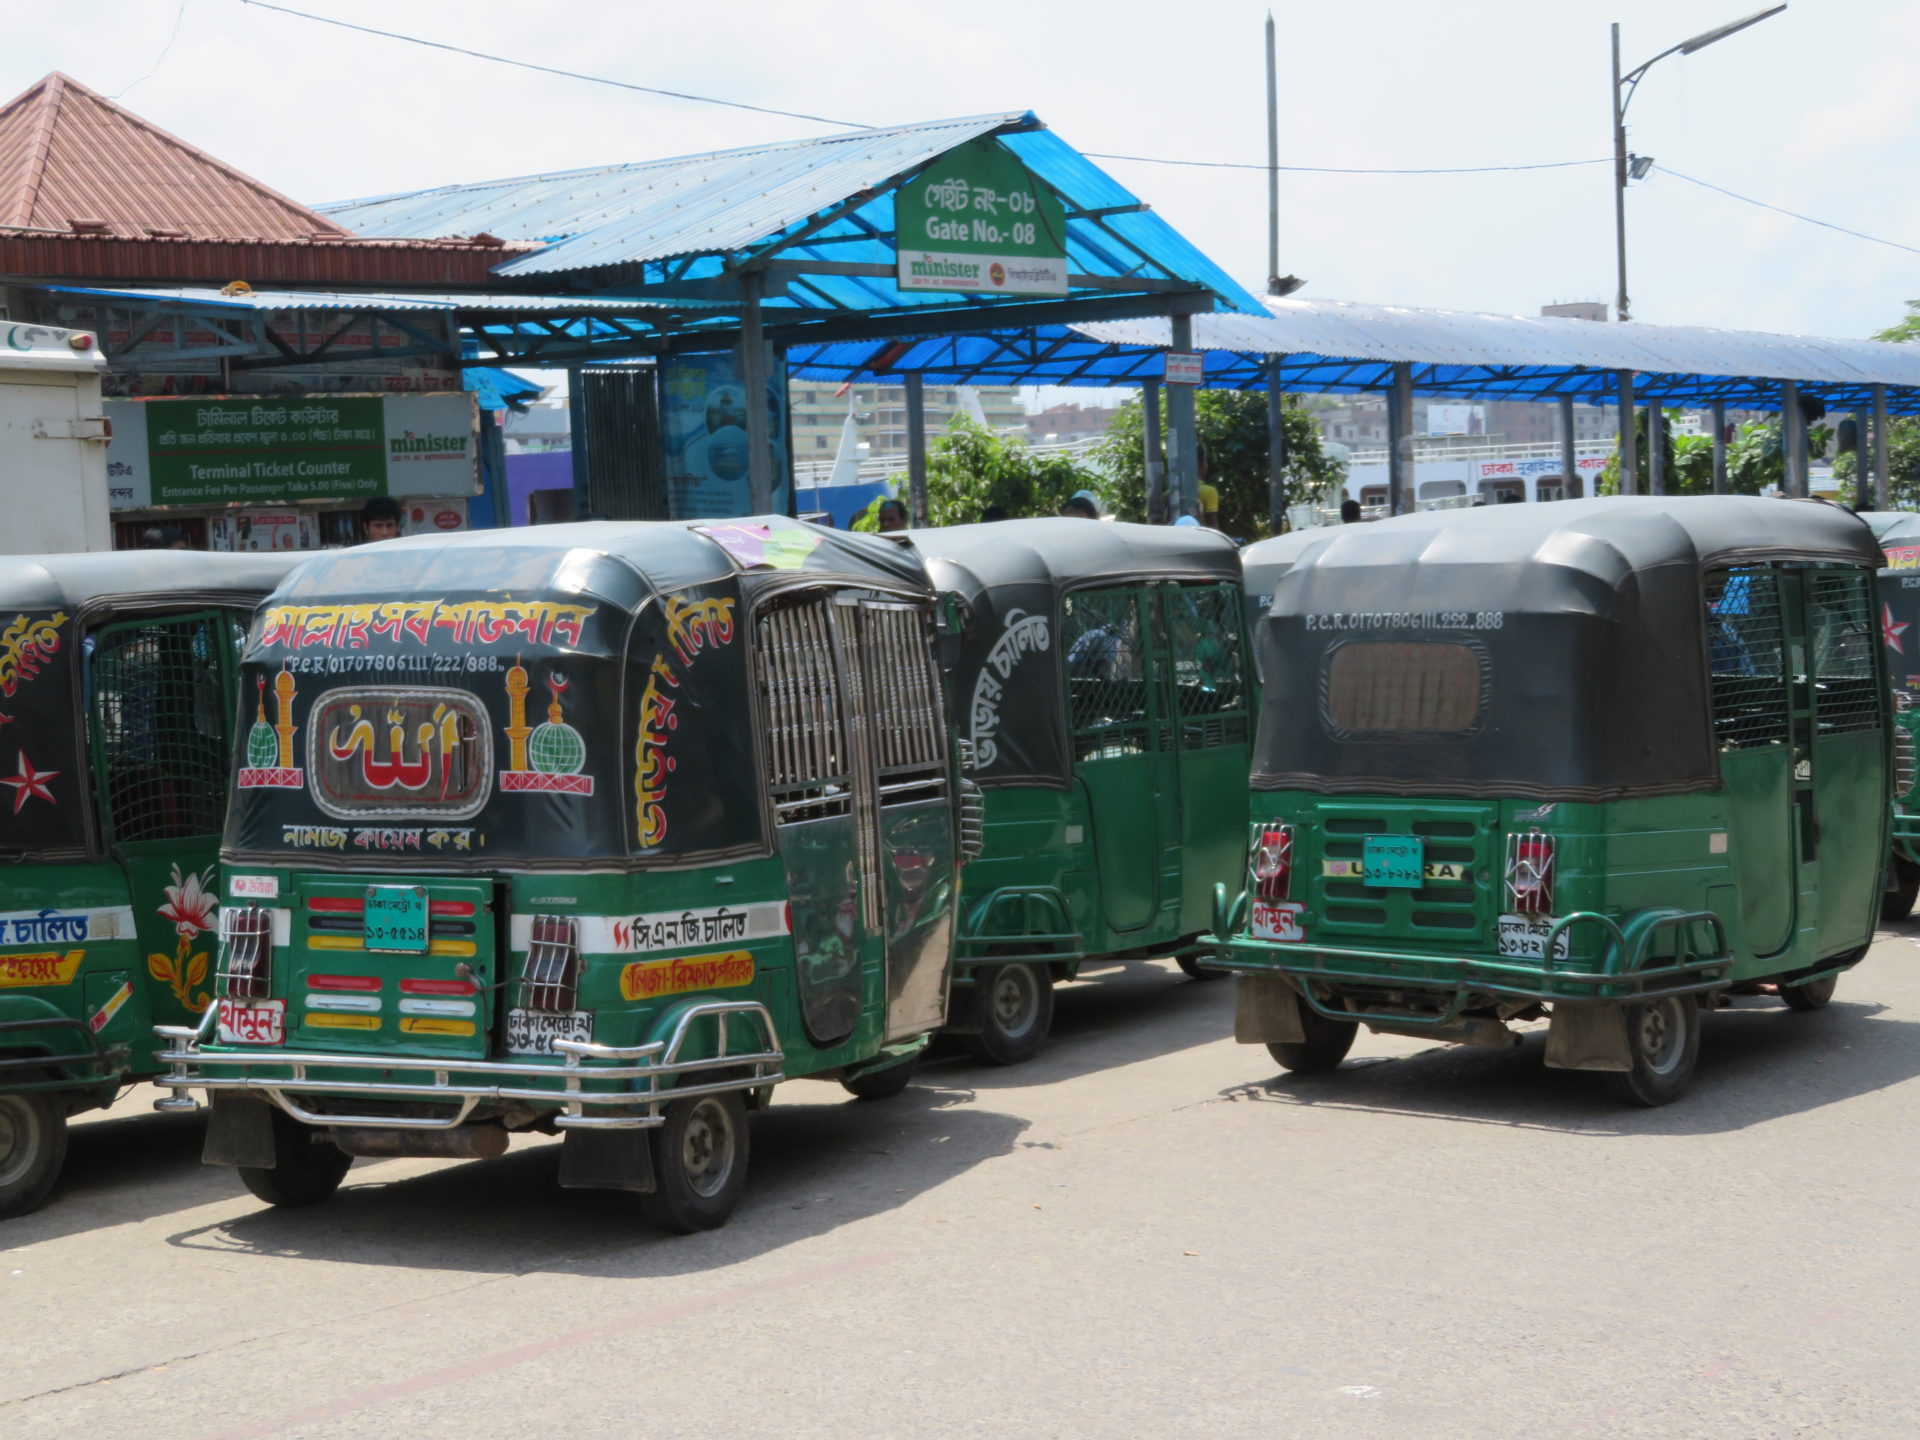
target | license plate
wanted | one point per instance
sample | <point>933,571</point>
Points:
<point>1524,937</point>
<point>1278,922</point>
<point>253,1022</point>
<point>396,919</point>
<point>532,1032</point>
<point>1394,862</point>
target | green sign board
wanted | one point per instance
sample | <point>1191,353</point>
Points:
<point>978,220</point>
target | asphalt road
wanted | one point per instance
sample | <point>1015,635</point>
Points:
<point>1146,1232</point>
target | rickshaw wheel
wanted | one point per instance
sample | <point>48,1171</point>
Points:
<point>1813,995</point>
<point>33,1147</point>
<point>1663,1042</point>
<point>1326,1045</point>
<point>305,1170</point>
<point>699,1163</point>
<point>1197,968</point>
<point>1896,901</point>
<point>1016,1012</point>
<point>882,1084</point>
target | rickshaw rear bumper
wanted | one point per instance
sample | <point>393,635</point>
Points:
<point>76,1060</point>
<point>635,1081</point>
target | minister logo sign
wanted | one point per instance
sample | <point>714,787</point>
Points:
<point>978,220</point>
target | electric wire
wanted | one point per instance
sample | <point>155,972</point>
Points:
<point>1782,210</point>
<point>1351,169</point>
<point>165,50</point>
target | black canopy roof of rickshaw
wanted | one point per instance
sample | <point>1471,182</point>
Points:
<point>1606,538</point>
<point>71,582</point>
<point>1893,526</point>
<point>616,561</point>
<point>1063,553</point>
<point>1581,609</point>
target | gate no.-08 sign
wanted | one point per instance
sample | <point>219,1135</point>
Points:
<point>980,221</point>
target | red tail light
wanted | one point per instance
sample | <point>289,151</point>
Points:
<point>551,980</point>
<point>1272,863</point>
<point>246,955</point>
<point>1530,873</point>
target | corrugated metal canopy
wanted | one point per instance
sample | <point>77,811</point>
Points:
<point>707,213</point>
<point>1334,346</point>
<point>442,303</point>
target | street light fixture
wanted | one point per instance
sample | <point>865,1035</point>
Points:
<point>1635,167</point>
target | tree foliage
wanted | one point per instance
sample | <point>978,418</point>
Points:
<point>970,468</point>
<point>1232,429</point>
<point>1756,459</point>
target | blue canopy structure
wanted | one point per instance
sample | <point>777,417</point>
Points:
<point>1335,346</point>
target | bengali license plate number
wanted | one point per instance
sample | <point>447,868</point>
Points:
<point>1524,937</point>
<point>532,1032</point>
<point>395,917</point>
<point>253,1022</point>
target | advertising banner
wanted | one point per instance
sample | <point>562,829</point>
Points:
<point>978,220</point>
<point>703,411</point>
<point>234,450</point>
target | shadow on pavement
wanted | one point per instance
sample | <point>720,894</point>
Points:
<point>1759,1061</point>
<point>820,1160</point>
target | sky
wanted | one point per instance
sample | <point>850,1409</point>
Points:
<point>1817,110</point>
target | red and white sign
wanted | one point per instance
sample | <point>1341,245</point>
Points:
<point>1279,921</point>
<point>253,1022</point>
<point>431,516</point>
<point>1185,367</point>
<point>254,887</point>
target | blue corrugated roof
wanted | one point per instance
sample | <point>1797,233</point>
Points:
<point>715,209</point>
<point>1335,346</point>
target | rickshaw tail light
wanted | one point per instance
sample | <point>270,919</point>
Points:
<point>246,952</point>
<point>1530,873</point>
<point>1272,863</point>
<point>551,979</point>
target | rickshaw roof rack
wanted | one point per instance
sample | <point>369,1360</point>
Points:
<point>1064,552</point>
<point>57,582</point>
<point>1608,537</point>
<point>621,562</point>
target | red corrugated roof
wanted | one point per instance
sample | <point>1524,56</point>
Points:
<point>381,264</point>
<point>68,154</point>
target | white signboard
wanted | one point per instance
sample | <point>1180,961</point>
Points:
<point>1185,367</point>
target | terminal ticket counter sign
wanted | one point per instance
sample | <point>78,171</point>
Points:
<point>978,220</point>
<point>239,450</point>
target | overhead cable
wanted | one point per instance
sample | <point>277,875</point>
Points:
<point>1348,169</point>
<point>1790,214</point>
<point>165,50</point>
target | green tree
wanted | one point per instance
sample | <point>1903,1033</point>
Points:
<point>1755,459</point>
<point>1232,429</point>
<point>970,468</point>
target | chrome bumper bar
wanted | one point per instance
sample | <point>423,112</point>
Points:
<point>465,1083</point>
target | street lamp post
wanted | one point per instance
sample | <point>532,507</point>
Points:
<point>1635,167</point>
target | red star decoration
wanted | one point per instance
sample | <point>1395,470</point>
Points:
<point>1890,630</point>
<point>29,783</point>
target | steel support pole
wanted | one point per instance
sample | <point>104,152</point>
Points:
<point>751,366</point>
<point>1862,468</point>
<point>1402,496</point>
<point>1629,442</point>
<point>1656,449</point>
<point>916,448</point>
<point>1183,471</point>
<point>1882,476</point>
<point>1619,190</point>
<point>1792,425</point>
<point>577,432</point>
<point>1156,464</point>
<point>1276,447</point>
<point>1569,459</point>
<point>1719,411</point>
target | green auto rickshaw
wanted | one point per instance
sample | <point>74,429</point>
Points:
<point>1102,681</point>
<point>118,674</point>
<point>1898,532</point>
<point>1595,761</point>
<point>599,830</point>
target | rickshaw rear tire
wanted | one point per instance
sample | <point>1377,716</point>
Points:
<point>1326,1045</point>
<point>1814,995</point>
<point>305,1169</point>
<point>1197,968</point>
<point>1011,1034</point>
<point>34,1131</point>
<point>1663,1047</point>
<point>882,1084</point>
<point>1903,888</point>
<point>695,1186</point>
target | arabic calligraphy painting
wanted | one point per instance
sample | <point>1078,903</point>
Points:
<point>379,751</point>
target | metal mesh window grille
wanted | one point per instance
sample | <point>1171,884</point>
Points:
<point>1209,665</point>
<point>158,708</point>
<point>806,725</point>
<point>1746,658</point>
<point>1107,676</point>
<point>904,709</point>
<point>1840,615</point>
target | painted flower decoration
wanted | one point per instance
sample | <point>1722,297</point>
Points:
<point>190,904</point>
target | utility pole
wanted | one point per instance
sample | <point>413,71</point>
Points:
<point>1277,284</point>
